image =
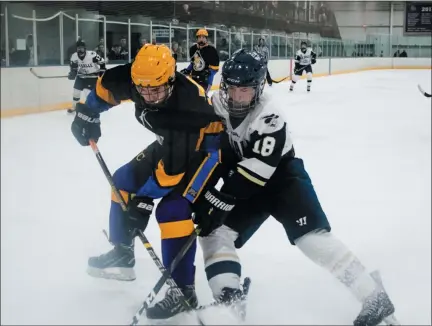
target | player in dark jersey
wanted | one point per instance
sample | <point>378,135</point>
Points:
<point>175,167</point>
<point>204,61</point>
<point>268,179</point>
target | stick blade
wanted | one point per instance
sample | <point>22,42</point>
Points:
<point>423,91</point>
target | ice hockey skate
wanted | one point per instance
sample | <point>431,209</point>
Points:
<point>117,264</point>
<point>377,307</point>
<point>172,304</point>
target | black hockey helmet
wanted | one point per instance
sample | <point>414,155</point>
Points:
<point>242,82</point>
<point>303,46</point>
<point>81,48</point>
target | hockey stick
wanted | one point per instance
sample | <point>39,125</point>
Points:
<point>423,91</point>
<point>166,274</point>
<point>43,77</point>
<point>277,82</point>
<point>63,76</point>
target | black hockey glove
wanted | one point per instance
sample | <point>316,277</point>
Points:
<point>313,61</point>
<point>72,74</point>
<point>86,125</point>
<point>186,71</point>
<point>211,210</point>
<point>140,209</point>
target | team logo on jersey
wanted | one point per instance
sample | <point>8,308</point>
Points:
<point>192,192</point>
<point>198,62</point>
<point>257,56</point>
<point>271,120</point>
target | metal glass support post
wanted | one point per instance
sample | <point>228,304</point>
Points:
<point>229,42</point>
<point>61,38</point>
<point>151,31</point>
<point>391,28</point>
<point>35,54</point>
<point>129,40</point>
<point>7,36</point>
<point>278,46</point>
<point>76,28</point>
<point>104,35</point>
<point>169,31</point>
<point>187,42</point>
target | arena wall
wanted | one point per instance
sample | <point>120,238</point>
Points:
<point>23,93</point>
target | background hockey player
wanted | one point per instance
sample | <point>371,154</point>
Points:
<point>268,179</point>
<point>204,61</point>
<point>85,67</point>
<point>304,59</point>
<point>175,167</point>
<point>262,49</point>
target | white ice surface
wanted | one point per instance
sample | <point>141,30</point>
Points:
<point>366,142</point>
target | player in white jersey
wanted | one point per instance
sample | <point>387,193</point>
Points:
<point>304,59</point>
<point>85,67</point>
<point>266,179</point>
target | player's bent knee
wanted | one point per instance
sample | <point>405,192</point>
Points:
<point>222,264</point>
<point>309,76</point>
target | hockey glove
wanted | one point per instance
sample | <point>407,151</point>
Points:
<point>211,210</point>
<point>186,72</point>
<point>86,125</point>
<point>72,74</point>
<point>313,61</point>
<point>140,209</point>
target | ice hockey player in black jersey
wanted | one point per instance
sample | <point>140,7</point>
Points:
<point>175,167</point>
<point>85,67</point>
<point>204,61</point>
<point>304,59</point>
<point>268,179</point>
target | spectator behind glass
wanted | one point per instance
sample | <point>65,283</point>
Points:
<point>124,51</point>
<point>101,42</point>
<point>24,57</point>
<point>176,51</point>
<point>115,53</point>
<point>100,50</point>
<point>403,54</point>
<point>142,40</point>
<point>223,49</point>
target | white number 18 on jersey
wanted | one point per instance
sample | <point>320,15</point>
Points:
<point>264,147</point>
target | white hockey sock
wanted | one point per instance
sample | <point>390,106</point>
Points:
<point>222,264</point>
<point>329,252</point>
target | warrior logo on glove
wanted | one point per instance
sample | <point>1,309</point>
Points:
<point>218,203</point>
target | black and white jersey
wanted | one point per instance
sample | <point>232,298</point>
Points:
<point>91,64</point>
<point>305,59</point>
<point>263,50</point>
<point>260,141</point>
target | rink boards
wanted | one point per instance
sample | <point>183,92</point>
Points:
<point>24,93</point>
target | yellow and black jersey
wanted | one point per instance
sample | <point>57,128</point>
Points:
<point>204,61</point>
<point>185,127</point>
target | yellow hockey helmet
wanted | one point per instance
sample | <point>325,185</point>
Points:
<point>153,73</point>
<point>202,32</point>
<point>154,65</point>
